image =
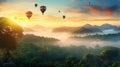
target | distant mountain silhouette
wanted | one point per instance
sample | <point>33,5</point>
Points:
<point>30,38</point>
<point>107,26</point>
<point>117,29</point>
<point>84,30</point>
<point>97,29</point>
<point>88,28</point>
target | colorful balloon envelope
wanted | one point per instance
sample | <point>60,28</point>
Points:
<point>28,14</point>
<point>42,9</point>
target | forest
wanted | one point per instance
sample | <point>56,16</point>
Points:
<point>34,55</point>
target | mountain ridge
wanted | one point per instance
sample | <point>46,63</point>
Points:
<point>31,38</point>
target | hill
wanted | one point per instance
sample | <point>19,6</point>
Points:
<point>30,38</point>
<point>85,30</point>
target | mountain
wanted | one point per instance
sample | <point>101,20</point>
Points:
<point>83,30</point>
<point>107,26</point>
<point>104,29</point>
<point>88,29</point>
<point>90,26</point>
<point>117,29</point>
<point>94,28</point>
<point>30,38</point>
<point>105,37</point>
<point>79,30</point>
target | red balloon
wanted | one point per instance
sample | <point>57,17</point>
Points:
<point>29,14</point>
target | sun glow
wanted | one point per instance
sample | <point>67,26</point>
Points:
<point>22,24</point>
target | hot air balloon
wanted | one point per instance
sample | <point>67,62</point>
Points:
<point>29,14</point>
<point>42,9</point>
<point>36,4</point>
<point>64,17</point>
<point>59,11</point>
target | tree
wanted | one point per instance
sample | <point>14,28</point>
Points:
<point>10,35</point>
<point>116,64</point>
<point>90,60</point>
<point>70,61</point>
<point>109,55</point>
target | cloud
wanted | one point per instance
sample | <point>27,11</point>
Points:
<point>107,7</point>
<point>94,10</point>
<point>2,1</point>
<point>28,30</point>
<point>108,12</point>
<point>75,12</point>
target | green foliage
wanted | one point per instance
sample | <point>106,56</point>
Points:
<point>10,34</point>
<point>91,60</point>
<point>116,64</point>
<point>42,55</point>
<point>109,55</point>
<point>30,38</point>
<point>70,61</point>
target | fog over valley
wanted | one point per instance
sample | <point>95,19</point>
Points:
<point>87,35</point>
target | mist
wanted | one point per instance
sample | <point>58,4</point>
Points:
<point>87,43</point>
<point>66,40</point>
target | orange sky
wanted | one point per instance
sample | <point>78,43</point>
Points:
<point>52,18</point>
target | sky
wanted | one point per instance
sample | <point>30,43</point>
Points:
<point>77,12</point>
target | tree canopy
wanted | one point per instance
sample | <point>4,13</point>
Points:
<point>10,34</point>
